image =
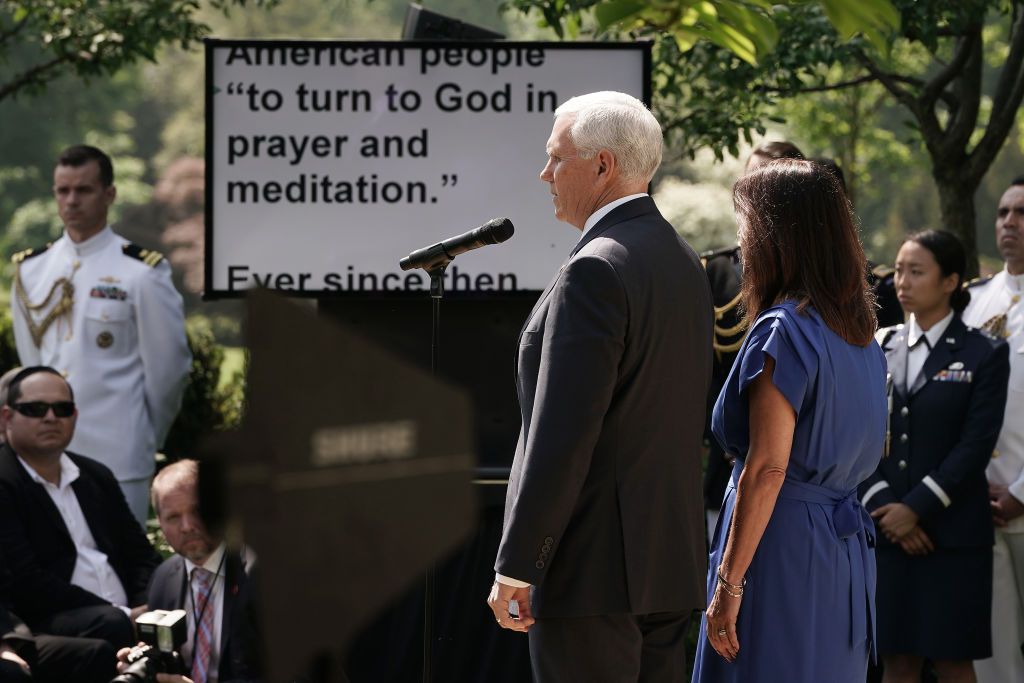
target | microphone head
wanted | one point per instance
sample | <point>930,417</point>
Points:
<point>498,230</point>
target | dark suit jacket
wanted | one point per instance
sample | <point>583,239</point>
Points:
<point>943,431</point>
<point>241,648</point>
<point>604,511</point>
<point>38,548</point>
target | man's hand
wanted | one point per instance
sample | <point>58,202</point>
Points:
<point>917,542</point>
<point>1004,506</point>
<point>8,653</point>
<point>498,601</point>
<point>896,520</point>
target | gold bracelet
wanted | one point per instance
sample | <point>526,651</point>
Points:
<point>726,589</point>
<point>739,588</point>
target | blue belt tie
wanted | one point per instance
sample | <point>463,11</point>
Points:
<point>852,524</point>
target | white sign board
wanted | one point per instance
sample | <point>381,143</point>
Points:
<point>327,162</point>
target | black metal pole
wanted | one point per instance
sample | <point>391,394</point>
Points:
<point>429,581</point>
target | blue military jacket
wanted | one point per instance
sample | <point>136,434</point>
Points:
<point>942,430</point>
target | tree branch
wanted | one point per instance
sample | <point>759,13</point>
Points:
<point>945,76</point>
<point>33,74</point>
<point>967,86</point>
<point>816,88</point>
<point>1004,105</point>
<point>1011,68</point>
<point>931,131</point>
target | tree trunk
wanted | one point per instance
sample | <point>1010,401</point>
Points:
<point>956,202</point>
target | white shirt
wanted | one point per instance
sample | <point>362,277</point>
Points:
<point>123,348</point>
<point>214,565</point>
<point>919,354</point>
<point>591,222</point>
<point>93,571</point>
<point>1004,293</point>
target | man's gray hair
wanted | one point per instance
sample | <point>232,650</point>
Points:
<point>620,123</point>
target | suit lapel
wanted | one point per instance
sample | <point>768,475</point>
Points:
<point>941,355</point>
<point>36,492</point>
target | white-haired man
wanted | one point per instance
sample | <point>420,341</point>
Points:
<point>603,543</point>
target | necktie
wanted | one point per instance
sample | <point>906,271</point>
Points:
<point>202,586</point>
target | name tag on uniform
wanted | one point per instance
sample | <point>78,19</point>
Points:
<point>953,376</point>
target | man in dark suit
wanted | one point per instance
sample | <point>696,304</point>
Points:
<point>603,545</point>
<point>223,604</point>
<point>79,563</point>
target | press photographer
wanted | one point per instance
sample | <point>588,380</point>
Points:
<point>211,582</point>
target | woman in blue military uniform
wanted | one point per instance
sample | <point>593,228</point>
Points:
<point>929,496</point>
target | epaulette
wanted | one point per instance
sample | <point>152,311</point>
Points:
<point>29,253</point>
<point>148,256</point>
<point>882,335</point>
<point>882,270</point>
<point>978,281</point>
<point>987,334</point>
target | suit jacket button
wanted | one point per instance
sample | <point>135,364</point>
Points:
<point>902,464</point>
<point>540,564</point>
<point>548,540</point>
<point>904,438</point>
<point>904,411</point>
<point>544,556</point>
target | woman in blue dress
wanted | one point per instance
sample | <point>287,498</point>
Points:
<point>930,497</point>
<point>791,573</point>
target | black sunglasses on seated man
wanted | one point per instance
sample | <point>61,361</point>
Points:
<point>38,409</point>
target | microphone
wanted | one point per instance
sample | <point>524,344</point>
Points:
<point>441,254</point>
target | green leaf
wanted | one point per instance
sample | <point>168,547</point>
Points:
<point>876,20</point>
<point>609,13</point>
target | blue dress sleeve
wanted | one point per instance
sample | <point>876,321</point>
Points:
<point>795,359</point>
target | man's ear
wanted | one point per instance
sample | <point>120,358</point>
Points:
<point>605,163</point>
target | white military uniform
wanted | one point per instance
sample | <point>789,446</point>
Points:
<point>1002,296</point>
<point>122,347</point>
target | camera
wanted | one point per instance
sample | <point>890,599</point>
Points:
<point>163,633</point>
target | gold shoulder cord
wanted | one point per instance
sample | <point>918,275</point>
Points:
<point>61,308</point>
<point>726,332</point>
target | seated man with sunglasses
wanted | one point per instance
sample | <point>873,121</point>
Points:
<point>78,561</point>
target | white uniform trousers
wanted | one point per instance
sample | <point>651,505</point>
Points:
<point>1006,663</point>
<point>136,492</point>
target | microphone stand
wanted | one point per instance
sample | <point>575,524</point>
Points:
<point>430,579</point>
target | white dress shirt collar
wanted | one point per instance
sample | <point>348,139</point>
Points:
<point>606,209</point>
<point>69,472</point>
<point>933,335</point>
<point>93,244</point>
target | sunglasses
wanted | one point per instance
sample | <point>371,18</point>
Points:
<point>40,408</point>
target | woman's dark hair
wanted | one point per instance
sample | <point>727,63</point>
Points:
<point>949,254</point>
<point>800,242</point>
<point>776,149</point>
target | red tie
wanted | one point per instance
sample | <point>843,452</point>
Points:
<point>202,586</point>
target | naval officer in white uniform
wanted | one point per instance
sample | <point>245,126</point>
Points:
<point>997,307</point>
<point>104,312</point>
